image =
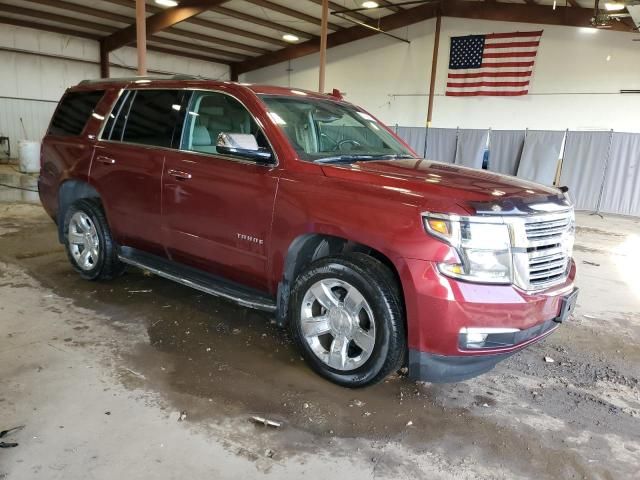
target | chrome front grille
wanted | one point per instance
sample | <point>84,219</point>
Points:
<point>545,244</point>
<point>544,229</point>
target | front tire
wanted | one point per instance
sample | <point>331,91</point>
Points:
<point>346,317</point>
<point>88,242</point>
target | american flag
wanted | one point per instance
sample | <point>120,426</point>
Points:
<point>496,64</point>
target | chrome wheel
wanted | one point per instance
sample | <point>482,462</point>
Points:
<point>84,243</point>
<point>338,324</point>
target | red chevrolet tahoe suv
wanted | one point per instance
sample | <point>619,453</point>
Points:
<point>306,206</point>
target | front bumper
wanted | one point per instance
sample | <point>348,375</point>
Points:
<point>439,307</point>
<point>429,367</point>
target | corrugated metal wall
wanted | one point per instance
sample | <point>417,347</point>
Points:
<point>32,82</point>
<point>34,114</point>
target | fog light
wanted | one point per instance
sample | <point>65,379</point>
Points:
<point>474,338</point>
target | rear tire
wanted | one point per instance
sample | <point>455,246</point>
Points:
<point>346,317</point>
<point>88,241</point>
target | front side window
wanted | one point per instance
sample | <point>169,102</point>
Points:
<point>327,131</point>
<point>212,113</point>
<point>149,117</point>
<point>73,112</point>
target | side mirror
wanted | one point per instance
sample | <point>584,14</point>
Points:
<point>242,145</point>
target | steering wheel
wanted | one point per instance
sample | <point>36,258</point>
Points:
<point>347,141</point>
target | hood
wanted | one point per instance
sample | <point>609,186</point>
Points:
<point>476,190</point>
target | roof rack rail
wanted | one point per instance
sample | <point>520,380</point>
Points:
<point>133,79</point>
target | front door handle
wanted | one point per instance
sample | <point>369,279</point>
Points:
<point>106,160</point>
<point>179,174</point>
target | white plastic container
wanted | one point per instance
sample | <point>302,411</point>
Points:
<point>28,156</point>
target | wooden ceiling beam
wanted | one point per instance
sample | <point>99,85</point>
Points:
<point>219,41</point>
<point>160,21</point>
<point>210,51</point>
<point>47,28</point>
<point>89,36</point>
<point>264,23</point>
<point>74,7</point>
<point>77,8</point>
<point>346,35</point>
<point>337,6</point>
<point>195,56</point>
<point>521,13</point>
<point>199,48</point>
<point>390,6</point>
<point>52,17</point>
<point>208,24</point>
<point>236,31</point>
<point>276,7</point>
<point>574,3</point>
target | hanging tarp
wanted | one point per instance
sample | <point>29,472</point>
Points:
<point>471,147</point>
<point>621,192</point>
<point>540,156</point>
<point>441,144</point>
<point>583,164</point>
<point>505,149</point>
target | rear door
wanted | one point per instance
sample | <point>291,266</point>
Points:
<point>217,208</point>
<point>128,162</point>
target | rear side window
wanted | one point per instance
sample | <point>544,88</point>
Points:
<point>115,123</point>
<point>152,118</point>
<point>73,112</point>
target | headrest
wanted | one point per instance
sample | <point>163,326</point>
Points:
<point>201,136</point>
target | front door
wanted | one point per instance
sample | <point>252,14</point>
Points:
<point>217,209</point>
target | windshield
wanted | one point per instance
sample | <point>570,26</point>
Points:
<point>326,131</point>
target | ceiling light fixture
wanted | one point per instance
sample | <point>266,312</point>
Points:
<point>370,5</point>
<point>614,6</point>
<point>167,3</point>
<point>290,37</point>
<point>555,4</point>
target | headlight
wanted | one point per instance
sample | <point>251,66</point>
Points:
<point>483,245</point>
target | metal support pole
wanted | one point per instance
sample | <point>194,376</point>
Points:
<point>434,67</point>
<point>141,37</point>
<point>104,61</point>
<point>323,44</point>
<point>604,176</point>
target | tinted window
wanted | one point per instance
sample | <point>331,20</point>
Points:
<point>212,113</point>
<point>153,117</point>
<point>118,116</point>
<point>73,112</point>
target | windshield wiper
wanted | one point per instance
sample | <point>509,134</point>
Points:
<point>344,158</point>
<point>355,158</point>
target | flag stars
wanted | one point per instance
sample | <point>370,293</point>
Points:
<point>466,52</point>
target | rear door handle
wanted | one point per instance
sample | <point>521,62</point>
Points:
<point>106,160</point>
<point>179,174</point>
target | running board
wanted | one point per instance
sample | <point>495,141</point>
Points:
<point>197,279</point>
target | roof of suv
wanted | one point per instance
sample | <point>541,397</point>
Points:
<point>184,81</point>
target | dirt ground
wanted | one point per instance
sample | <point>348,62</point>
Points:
<point>143,378</point>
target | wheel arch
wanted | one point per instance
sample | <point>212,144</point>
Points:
<point>69,192</point>
<point>307,248</point>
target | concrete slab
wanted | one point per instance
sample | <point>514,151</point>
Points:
<point>99,374</point>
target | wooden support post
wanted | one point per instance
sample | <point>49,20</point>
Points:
<point>323,44</point>
<point>434,67</point>
<point>141,37</point>
<point>104,61</point>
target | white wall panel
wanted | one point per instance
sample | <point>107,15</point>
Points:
<point>575,85</point>
<point>31,85</point>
